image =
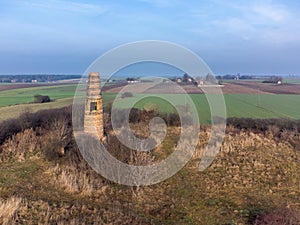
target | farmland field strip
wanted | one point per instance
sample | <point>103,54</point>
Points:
<point>282,105</point>
<point>275,105</point>
<point>13,111</point>
<point>25,95</point>
<point>260,104</point>
<point>238,105</point>
<point>33,89</point>
<point>286,105</point>
<point>240,108</point>
<point>241,105</point>
<point>11,86</point>
<point>255,110</point>
<point>291,80</point>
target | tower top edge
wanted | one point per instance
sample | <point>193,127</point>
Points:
<point>94,74</point>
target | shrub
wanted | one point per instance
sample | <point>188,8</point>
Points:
<point>127,95</point>
<point>264,124</point>
<point>9,128</point>
<point>41,99</point>
<point>282,216</point>
<point>151,107</point>
<point>57,137</point>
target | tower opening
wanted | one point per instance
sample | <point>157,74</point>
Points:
<point>93,106</point>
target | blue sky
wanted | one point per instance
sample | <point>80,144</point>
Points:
<point>57,36</point>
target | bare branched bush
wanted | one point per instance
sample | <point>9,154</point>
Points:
<point>20,146</point>
<point>25,119</point>
<point>273,131</point>
<point>286,135</point>
<point>57,137</point>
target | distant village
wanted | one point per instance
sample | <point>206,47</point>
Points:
<point>210,79</point>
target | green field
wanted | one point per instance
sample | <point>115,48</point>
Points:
<point>13,102</point>
<point>26,95</point>
<point>292,80</point>
<point>237,105</point>
<point>263,105</point>
<point>15,110</point>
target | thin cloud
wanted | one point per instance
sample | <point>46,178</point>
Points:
<point>268,23</point>
<point>66,6</point>
<point>272,12</point>
<point>160,3</point>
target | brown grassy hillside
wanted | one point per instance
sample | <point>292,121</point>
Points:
<point>254,180</point>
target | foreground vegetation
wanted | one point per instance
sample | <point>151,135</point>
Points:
<point>44,180</point>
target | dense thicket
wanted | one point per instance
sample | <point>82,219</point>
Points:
<point>27,120</point>
<point>264,124</point>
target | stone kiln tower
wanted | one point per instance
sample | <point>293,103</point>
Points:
<point>93,116</point>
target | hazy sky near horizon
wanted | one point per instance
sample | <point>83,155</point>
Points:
<point>235,36</point>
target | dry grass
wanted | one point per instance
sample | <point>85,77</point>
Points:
<point>248,160</point>
<point>254,172</point>
<point>9,209</point>
<point>74,180</point>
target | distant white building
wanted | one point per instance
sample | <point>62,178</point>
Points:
<point>133,81</point>
<point>201,82</point>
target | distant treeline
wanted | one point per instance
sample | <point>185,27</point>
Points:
<point>35,78</point>
<point>232,77</point>
<point>265,79</point>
